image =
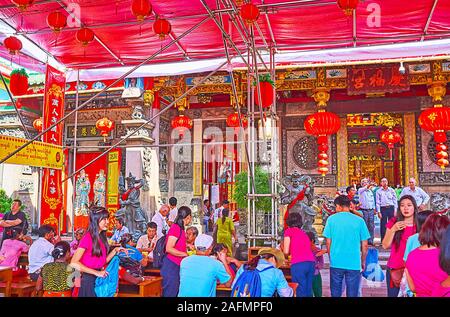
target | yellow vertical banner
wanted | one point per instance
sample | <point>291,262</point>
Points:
<point>112,193</point>
<point>197,181</point>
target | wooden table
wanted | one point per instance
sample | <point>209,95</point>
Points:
<point>6,276</point>
<point>151,287</point>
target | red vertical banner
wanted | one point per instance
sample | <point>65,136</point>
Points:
<point>52,188</point>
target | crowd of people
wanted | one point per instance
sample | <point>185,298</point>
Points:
<point>418,240</point>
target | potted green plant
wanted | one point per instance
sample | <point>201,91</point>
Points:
<point>5,202</point>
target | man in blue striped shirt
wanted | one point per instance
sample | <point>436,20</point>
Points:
<point>367,207</point>
<point>386,205</point>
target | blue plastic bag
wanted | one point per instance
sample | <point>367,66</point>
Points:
<point>373,271</point>
<point>107,286</point>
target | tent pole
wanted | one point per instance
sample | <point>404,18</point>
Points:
<point>75,134</point>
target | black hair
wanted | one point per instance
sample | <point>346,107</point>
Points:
<point>421,218</point>
<point>399,217</point>
<point>183,212</point>
<point>45,229</point>
<point>194,230</point>
<point>173,201</point>
<point>120,220</point>
<point>225,214</point>
<point>294,220</point>
<point>61,249</point>
<point>152,225</point>
<point>96,214</point>
<point>225,201</point>
<point>218,248</point>
<point>444,254</point>
<point>348,189</point>
<point>126,238</point>
<point>205,201</point>
<point>342,200</point>
<point>18,201</point>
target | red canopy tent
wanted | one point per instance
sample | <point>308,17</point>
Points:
<point>285,25</point>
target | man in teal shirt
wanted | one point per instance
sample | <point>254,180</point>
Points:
<point>347,245</point>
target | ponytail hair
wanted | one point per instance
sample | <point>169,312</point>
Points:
<point>61,249</point>
<point>225,214</point>
<point>253,263</point>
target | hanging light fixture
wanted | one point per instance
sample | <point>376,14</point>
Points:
<point>13,45</point>
<point>141,9</point>
<point>162,27</point>
<point>105,126</point>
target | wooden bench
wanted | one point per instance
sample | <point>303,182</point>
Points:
<point>152,272</point>
<point>20,287</point>
<point>151,287</point>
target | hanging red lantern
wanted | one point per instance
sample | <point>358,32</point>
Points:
<point>323,156</point>
<point>348,5</point>
<point>233,120</point>
<point>13,45</point>
<point>162,27</point>
<point>105,126</point>
<point>19,82</point>
<point>436,119</point>
<point>249,12</point>
<point>323,170</point>
<point>85,36</point>
<point>141,9</point>
<point>56,21</point>
<point>441,147</point>
<point>37,124</point>
<point>443,163</point>
<point>442,155</point>
<point>182,122</point>
<point>22,4</point>
<point>266,89</point>
<point>390,138</point>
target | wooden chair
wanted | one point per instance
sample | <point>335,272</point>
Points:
<point>20,287</point>
<point>151,287</point>
<point>294,287</point>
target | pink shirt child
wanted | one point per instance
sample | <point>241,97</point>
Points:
<point>88,259</point>
<point>396,258</point>
<point>11,251</point>
<point>423,267</point>
<point>175,231</point>
<point>300,246</point>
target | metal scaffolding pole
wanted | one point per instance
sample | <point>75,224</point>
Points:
<point>105,88</point>
<point>75,155</point>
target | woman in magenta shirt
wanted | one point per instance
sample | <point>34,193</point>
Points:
<point>398,230</point>
<point>92,254</point>
<point>423,272</point>
<point>444,264</point>
<point>297,244</point>
<point>176,251</point>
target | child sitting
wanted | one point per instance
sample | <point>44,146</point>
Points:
<point>55,278</point>
<point>317,280</point>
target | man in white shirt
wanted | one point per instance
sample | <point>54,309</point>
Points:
<point>147,242</point>
<point>40,252</point>
<point>173,210</point>
<point>119,232</point>
<point>162,221</point>
<point>418,193</point>
<point>218,211</point>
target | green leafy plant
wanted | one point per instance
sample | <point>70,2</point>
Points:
<point>262,187</point>
<point>5,202</point>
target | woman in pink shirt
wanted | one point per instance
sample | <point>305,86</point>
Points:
<point>423,272</point>
<point>176,250</point>
<point>11,250</point>
<point>444,263</point>
<point>398,230</point>
<point>92,254</point>
<point>297,244</point>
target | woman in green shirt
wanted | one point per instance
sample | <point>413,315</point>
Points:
<point>225,230</point>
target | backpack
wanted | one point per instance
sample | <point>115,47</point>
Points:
<point>107,286</point>
<point>159,252</point>
<point>132,266</point>
<point>248,283</point>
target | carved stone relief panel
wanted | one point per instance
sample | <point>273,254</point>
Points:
<point>164,185</point>
<point>26,185</point>
<point>183,185</point>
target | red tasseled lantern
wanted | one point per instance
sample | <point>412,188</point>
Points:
<point>348,5</point>
<point>390,138</point>
<point>85,36</point>
<point>56,21</point>
<point>105,126</point>
<point>141,9</point>
<point>162,27</point>
<point>18,82</point>
<point>22,4</point>
<point>13,45</point>
<point>266,94</point>
<point>182,122</point>
<point>233,120</point>
<point>249,12</point>
<point>37,124</point>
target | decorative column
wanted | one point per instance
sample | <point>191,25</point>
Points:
<point>342,154</point>
<point>409,126</point>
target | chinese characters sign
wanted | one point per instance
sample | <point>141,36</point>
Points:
<point>51,203</point>
<point>86,131</point>
<point>376,79</point>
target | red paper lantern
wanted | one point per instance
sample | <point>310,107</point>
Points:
<point>443,163</point>
<point>233,120</point>
<point>323,156</point>
<point>249,12</point>
<point>390,138</point>
<point>441,147</point>
<point>56,21</point>
<point>323,170</point>
<point>266,94</point>
<point>85,36</point>
<point>105,126</point>
<point>141,9</point>
<point>440,137</point>
<point>13,45</point>
<point>37,124</point>
<point>323,147</point>
<point>22,4</point>
<point>442,155</point>
<point>322,123</point>
<point>435,119</point>
<point>182,122</point>
<point>323,163</point>
<point>162,27</point>
<point>348,5</point>
<point>18,82</point>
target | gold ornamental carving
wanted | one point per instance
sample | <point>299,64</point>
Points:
<point>437,91</point>
<point>149,98</point>
<point>321,78</point>
<point>321,97</point>
<point>438,76</point>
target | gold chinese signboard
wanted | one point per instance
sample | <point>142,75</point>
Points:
<point>38,154</point>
